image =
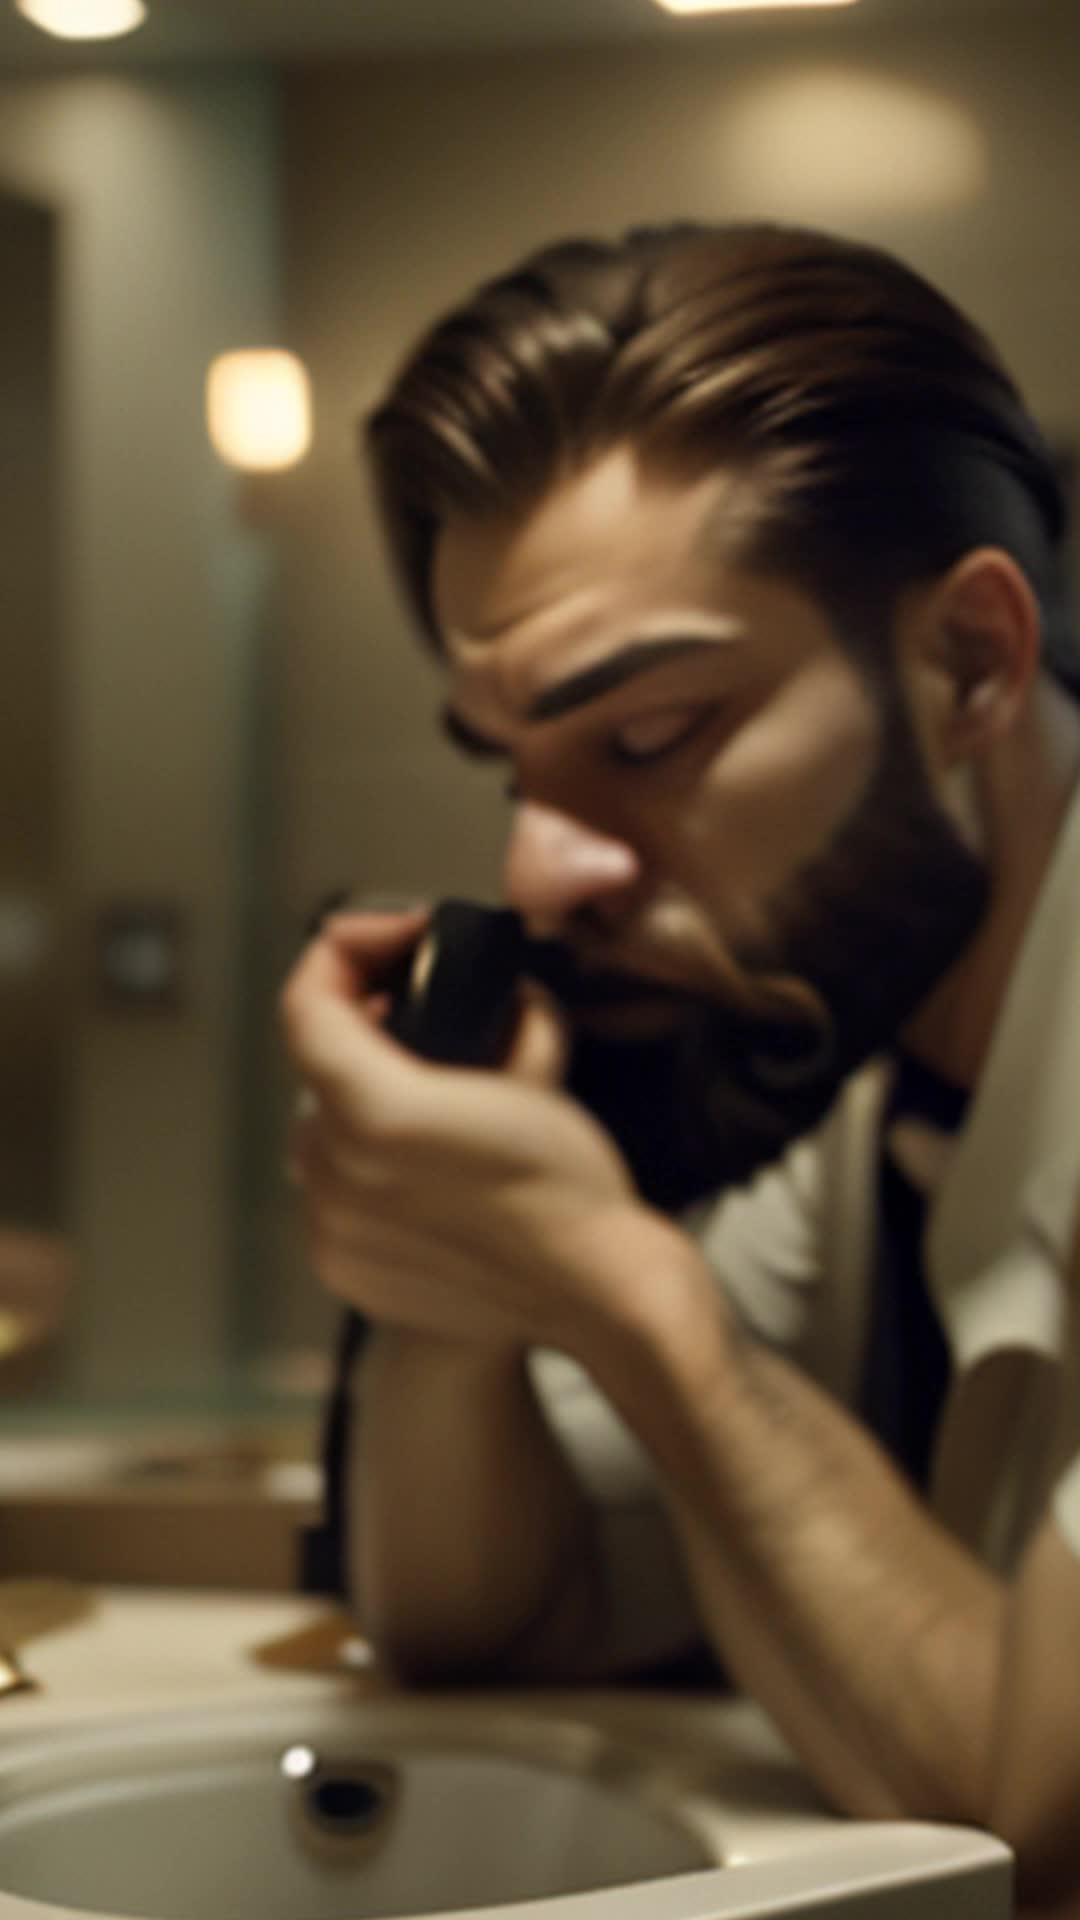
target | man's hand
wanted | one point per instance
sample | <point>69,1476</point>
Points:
<point>455,1202</point>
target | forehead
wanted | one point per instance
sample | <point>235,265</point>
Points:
<point>609,543</point>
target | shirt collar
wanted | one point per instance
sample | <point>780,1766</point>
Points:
<point>1015,1174</point>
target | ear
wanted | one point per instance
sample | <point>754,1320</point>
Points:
<point>978,645</point>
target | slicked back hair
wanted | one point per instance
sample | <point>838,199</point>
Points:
<point>872,432</point>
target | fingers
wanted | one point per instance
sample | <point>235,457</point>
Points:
<point>376,937</point>
<point>351,952</point>
<point>331,1003</point>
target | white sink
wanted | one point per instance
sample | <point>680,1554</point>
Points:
<point>362,1810</point>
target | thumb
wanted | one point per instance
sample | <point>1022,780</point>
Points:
<point>540,1049</point>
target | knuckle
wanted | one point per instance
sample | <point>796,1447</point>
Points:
<point>390,1132</point>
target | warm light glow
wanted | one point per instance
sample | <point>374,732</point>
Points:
<point>744,6</point>
<point>258,409</point>
<point>825,142</point>
<point>84,19</point>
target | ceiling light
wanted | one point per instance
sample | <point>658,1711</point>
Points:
<point>744,6</point>
<point>84,19</point>
<point>258,409</point>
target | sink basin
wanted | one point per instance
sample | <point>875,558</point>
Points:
<point>367,1809</point>
<point>356,1811</point>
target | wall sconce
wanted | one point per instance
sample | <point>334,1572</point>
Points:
<point>258,409</point>
<point>83,19</point>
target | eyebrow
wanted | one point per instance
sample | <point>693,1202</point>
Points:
<point>588,684</point>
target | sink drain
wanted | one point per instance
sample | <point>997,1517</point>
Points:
<point>340,1808</point>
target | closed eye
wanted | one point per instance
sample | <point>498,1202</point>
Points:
<point>649,736</point>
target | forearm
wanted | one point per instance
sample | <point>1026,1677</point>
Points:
<point>872,1637</point>
<point>471,1539</point>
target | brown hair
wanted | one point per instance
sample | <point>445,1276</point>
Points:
<point>879,432</point>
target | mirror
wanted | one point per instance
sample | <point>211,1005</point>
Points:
<point>137,631</point>
<point>218,717</point>
<point>34,1010</point>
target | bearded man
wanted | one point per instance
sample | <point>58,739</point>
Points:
<point>739,547</point>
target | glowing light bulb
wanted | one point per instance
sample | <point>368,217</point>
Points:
<point>84,19</point>
<point>258,409</point>
<point>744,6</point>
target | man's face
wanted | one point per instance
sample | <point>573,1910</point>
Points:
<point>730,830</point>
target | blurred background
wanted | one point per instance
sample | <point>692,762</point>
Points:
<point>210,712</point>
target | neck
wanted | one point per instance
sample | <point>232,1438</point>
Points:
<point>1021,798</point>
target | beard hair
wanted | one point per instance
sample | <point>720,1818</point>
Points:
<point>859,937</point>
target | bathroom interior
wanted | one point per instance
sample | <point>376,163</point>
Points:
<point>213,718</point>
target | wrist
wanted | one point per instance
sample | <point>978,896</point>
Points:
<point>405,1349</point>
<point>670,1342</point>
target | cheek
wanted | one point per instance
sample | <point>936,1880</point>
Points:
<point>777,791</point>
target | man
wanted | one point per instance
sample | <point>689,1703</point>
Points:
<point>739,548</point>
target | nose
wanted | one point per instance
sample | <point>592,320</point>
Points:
<point>555,865</point>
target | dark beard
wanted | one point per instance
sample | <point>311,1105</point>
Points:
<point>870,926</point>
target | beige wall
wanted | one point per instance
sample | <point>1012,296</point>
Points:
<point>165,192</point>
<point>408,180</point>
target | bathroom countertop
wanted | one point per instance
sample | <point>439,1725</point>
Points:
<point>141,1649</point>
